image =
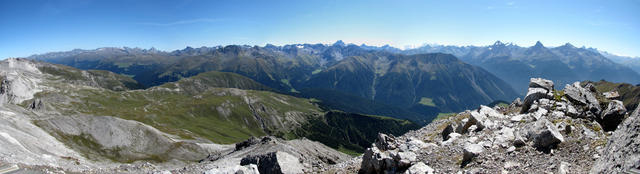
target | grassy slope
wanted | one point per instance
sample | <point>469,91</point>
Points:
<point>104,79</point>
<point>194,111</point>
<point>188,116</point>
<point>629,94</point>
<point>211,79</point>
<point>352,133</point>
<point>336,100</point>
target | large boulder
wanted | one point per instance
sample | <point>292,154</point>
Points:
<point>476,118</point>
<point>611,95</point>
<point>613,115</point>
<point>385,142</point>
<point>375,160</point>
<point>391,159</point>
<point>534,94</point>
<point>544,134</point>
<point>274,163</point>
<point>541,83</point>
<point>622,152</point>
<point>582,97</point>
<point>448,130</point>
<point>471,151</point>
<point>419,168</point>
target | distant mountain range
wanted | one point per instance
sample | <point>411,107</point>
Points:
<point>631,62</point>
<point>414,84</point>
<point>515,64</point>
<point>415,87</point>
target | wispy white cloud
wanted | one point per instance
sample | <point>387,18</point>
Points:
<point>183,22</point>
<point>506,5</point>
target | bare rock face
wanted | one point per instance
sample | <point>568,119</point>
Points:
<point>613,115</point>
<point>275,163</point>
<point>622,153</point>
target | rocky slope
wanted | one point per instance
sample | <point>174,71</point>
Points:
<point>550,131</point>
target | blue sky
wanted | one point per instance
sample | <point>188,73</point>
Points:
<point>30,27</point>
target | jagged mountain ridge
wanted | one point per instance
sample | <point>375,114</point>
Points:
<point>436,80</point>
<point>292,68</point>
<point>515,64</point>
<point>631,62</point>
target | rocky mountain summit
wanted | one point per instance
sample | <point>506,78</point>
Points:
<point>575,130</point>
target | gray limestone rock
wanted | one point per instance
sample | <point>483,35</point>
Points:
<point>471,151</point>
<point>274,163</point>
<point>541,83</point>
<point>622,152</point>
<point>533,95</point>
<point>419,168</point>
<point>613,115</point>
<point>544,134</point>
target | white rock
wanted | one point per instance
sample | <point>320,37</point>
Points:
<point>490,112</point>
<point>541,83</point>
<point>564,168</point>
<point>557,114</point>
<point>518,118</point>
<point>511,149</point>
<point>476,119</point>
<point>452,137</point>
<point>540,113</point>
<point>544,134</point>
<point>504,136</point>
<point>471,151</point>
<point>419,168</point>
<point>511,165</point>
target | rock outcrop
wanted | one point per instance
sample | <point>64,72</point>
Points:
<point>622,153</point>
<point>274,163</point>
<point>544,134</point>
<point>584,98</point>
<point>613,115</point>
<point>538,89</point>
<point>386,156</point>
<point>550,132</point>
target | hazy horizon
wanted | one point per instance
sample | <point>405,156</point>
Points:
<point>37,27</point>
<point>328,43</point>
